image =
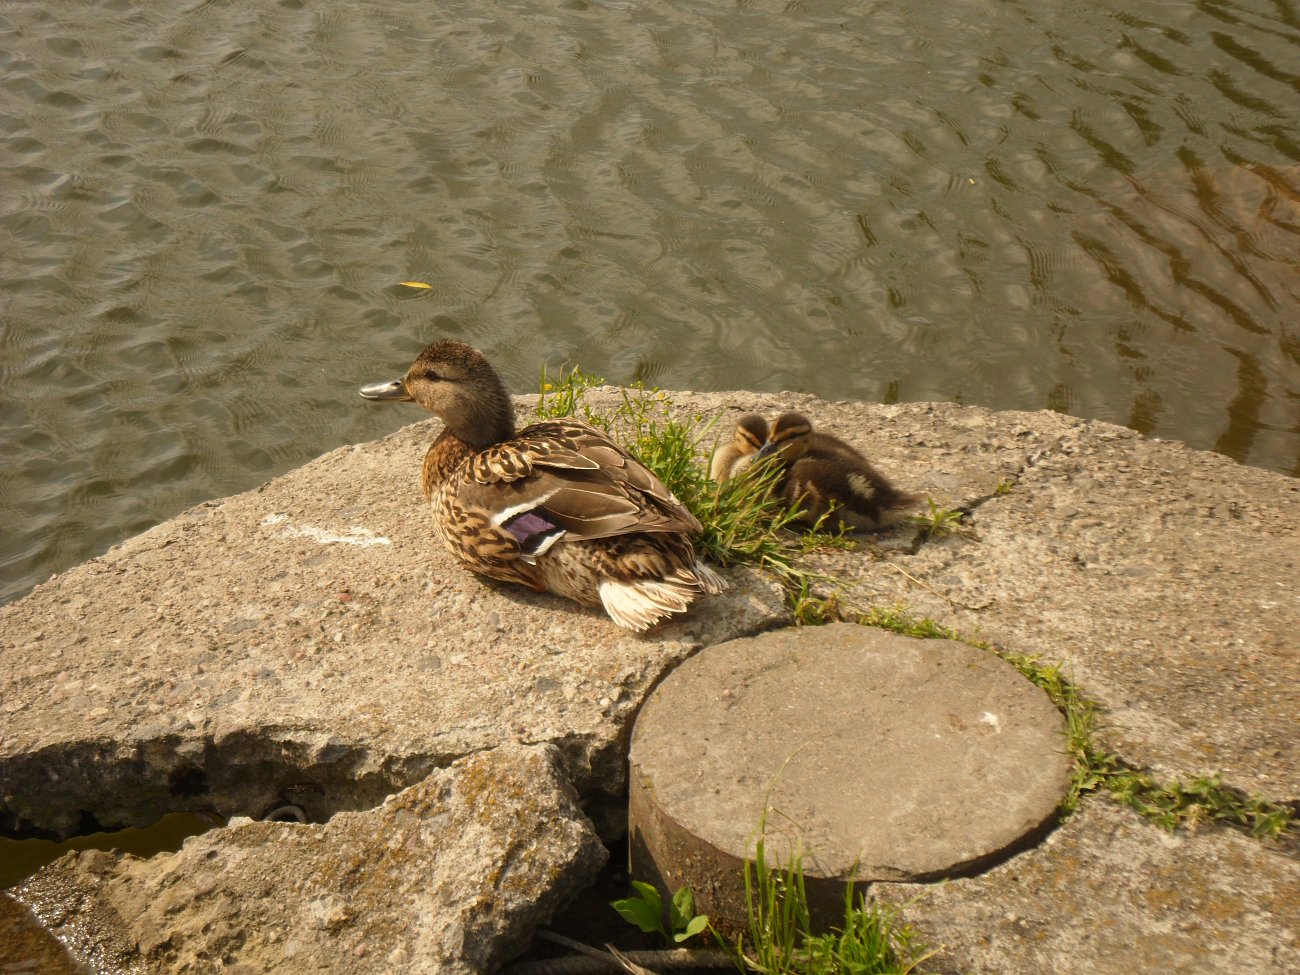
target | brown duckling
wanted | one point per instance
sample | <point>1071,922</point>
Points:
<point>557,506</point>
<point>826,477</point>
<point>733,457</point>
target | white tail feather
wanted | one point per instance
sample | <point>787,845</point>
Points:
<point>639,605</point>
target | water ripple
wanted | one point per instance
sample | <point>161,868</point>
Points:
<point>206,211</point>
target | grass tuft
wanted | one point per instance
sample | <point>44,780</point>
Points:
<point>870,941</point>
<point>742,518</point>
<point>938,522</point>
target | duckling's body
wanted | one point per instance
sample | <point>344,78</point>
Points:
<point>558,506</point>
<point>829,479</point>
<point>735,456</point>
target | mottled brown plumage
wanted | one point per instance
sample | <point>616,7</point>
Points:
<point>557,506</point>
<point>827,478</point>
<point>738,453</point>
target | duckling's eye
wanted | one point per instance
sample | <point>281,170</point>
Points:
<point>432,376</point>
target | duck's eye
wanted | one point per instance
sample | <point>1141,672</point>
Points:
<point>432,376</point>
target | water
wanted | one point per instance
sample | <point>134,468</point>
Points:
<point>207,209</point>
<point>25,945</point>
<point>19,859</point>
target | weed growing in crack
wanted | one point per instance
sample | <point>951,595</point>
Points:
<point>1169,805</point>
<point>939,522</point>
<point>807,607</point>
<point>870,941</point>
<point>645,908</point>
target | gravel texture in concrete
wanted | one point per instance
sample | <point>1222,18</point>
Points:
<point>1109,892</point>
<point>310,642</point>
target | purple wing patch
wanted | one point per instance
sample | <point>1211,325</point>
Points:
<point>533,532</point>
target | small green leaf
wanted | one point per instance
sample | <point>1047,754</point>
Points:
<point>693,927</point>
<point>650,894</point>
<point>636,911</point>
<point>683,908</point>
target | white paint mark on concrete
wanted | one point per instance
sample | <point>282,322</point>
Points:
<point>353,536</point>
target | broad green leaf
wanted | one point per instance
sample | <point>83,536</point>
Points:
<point>693,927</point>
<point>651,895</point>
<point>636,911</point>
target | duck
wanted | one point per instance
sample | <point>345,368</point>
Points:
<point>557,506</point>
<point>733,457</point>
<point>830,480</point>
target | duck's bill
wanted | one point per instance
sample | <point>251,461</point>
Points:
<point>769,449</point>
<point>394,391</point>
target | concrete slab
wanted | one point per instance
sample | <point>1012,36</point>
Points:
<point>877,755</point>
<point>1109,892</point>
<point>310,642</point>
<point>451,875</point>
<point>1166,579</point>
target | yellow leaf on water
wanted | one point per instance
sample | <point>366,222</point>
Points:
<point>416,284</point>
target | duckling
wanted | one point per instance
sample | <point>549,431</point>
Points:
<point>826,477</point>
<point>557,506</point>
<point>732,458</point>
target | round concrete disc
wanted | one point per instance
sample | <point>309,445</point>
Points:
<point>881,757</point>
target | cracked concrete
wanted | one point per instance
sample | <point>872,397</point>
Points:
<point>263,648</point>
<point>450,875</point>
<point>1109,892</point>
<point>311,641</point>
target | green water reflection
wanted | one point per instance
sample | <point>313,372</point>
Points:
<point>207,210</point>
<point>19,859</point>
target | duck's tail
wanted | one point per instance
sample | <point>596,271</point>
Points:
<point>638,604</point>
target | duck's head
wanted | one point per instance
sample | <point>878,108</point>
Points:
<point>457,383</point>
<point>787,438</point>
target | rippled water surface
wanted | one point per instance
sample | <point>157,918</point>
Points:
<point>206,209</point>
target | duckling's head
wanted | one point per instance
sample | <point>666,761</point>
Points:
<point>457,383</point>
<point>751,434</point>
<point>787,438</point>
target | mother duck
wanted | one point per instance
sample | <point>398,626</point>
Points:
<point>557,506</point>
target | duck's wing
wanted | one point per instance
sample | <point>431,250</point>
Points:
<point>569,475</point>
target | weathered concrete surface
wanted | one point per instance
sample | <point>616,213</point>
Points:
<point>877,756</point>
<point>450,875</point>
<point>1165,578</point>
<point>1109,892</point>
<point>310,641</point>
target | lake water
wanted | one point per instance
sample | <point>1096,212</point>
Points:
<point>207,208</point>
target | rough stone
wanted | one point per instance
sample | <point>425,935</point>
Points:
<point>309,642</point>
<point>450,875</point>
<point>1163,578</point>
<point>877,756</point>
<point>1109,892</point>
